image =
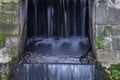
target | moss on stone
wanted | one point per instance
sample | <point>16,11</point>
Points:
<point>2,39</point>
<point>14,52</point>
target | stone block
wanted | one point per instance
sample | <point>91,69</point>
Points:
<point>5,55</point>
<point>107,31</point>
<point>103,30</point>
<point>116,43</point>
<point>116,30</point>
<point>107,12</point>
<point>11,41</point>
<point>99,30</point>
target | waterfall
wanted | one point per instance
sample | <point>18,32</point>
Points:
<point>58,46</point>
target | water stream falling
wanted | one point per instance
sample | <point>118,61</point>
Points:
<point>58,43</point>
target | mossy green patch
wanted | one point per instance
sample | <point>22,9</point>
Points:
<point>100,42</point>
<point>14,52</point>
<point>2,39</point>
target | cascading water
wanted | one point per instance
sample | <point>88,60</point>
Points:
<point>57,42</point>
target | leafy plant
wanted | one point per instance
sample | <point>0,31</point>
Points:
<point>100,42</point>
<point>115,71</point>
<point>115,74</point>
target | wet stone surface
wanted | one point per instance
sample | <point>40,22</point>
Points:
<point>40,58</point>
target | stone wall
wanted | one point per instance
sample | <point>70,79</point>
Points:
<point>108,31</point>
<point>9,34</point>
